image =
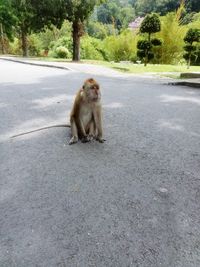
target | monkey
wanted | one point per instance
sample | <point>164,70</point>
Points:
<point>86,114</point>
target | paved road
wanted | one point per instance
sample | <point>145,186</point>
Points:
<point>132,201</point>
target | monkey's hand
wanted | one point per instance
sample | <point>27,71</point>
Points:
<point>86,139</point>
<point>90,137</point>
<point>73,140</point>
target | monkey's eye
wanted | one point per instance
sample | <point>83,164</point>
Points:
<point>95,87</point>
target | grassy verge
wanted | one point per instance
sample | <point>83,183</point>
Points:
<point>154,68</point>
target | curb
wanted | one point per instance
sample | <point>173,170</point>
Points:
<point>184,83</point>
<point>190,75</point>
<point>34,64</point>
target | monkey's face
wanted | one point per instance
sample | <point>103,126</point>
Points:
<point>92,90</point>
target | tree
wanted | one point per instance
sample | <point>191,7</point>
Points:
<point>7,21</point>
<point>191,39</point>
<point>78,12</point>
<point>144,7</point>
<point>116,12</point>
<point>193,5</point>
<point>151,24</point>
<point>32,16</point>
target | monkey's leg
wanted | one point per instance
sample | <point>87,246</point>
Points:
<point>74,130</point>
<point>85,138</point>
<point>91,130</point>
<point>98,123</point>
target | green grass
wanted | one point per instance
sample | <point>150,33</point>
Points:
<point>139,68</point>
<point>169,70</point>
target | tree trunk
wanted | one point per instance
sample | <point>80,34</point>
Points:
<point>2,39</point>
<point>24,44</point>
<point>189,61</point>
<point>147,51</point>
<point>146,57</point>
<point>149,37</point>
<point>77,32</point>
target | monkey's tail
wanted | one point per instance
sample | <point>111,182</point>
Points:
<point>40,129</point>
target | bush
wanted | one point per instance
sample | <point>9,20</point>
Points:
<point>156,42</point>
<point>15,47</point>
<point>62,48</point>
<point>121,47</point>
<point>172,34</point>
<point>34,45</point>
<point>91,48</point>
<point>62,52</point>
<point>54,34</point>
<point>97,30</point>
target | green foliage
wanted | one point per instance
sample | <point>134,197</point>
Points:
<point>33,16</point>
<point>106,39</point>
<point>163,7</point>
<point>171,34</point>
<point>35,45</point>
<point>189,48</point>
<point>156,42</point>
<point>150,24</point>
<point>62,52</point>
<point>192,38</point>
<point>97,30</point>
<point>121,47</point>
<point>91,48</point>
<point>7,18</point>
<point>78,12</point>
<point>53,34</point>
<point>193,5</point>
<point>15,47</point>
<point>192,35</point>
<point>144,45</point>
<point>7,22</point>
<point>115,13</point>
<point>61,48</point>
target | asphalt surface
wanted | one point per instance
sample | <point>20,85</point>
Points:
<point>132,201</point>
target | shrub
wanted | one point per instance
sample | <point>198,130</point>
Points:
<point>34,45</point>
<point>15,47</point>
<point>151,24</point>
<point>192,38</point>
<point>97,30</point>
<point>62,48</point>
<point>172,34</point>
<point>121,47</point>
<point>91,48</point>
<point>62,52</point>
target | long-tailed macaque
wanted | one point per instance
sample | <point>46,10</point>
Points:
<point>86,114</point>
<point>85,117</point>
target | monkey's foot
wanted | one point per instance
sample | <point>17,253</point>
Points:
<point>100,139</point>
<point>73,140</point>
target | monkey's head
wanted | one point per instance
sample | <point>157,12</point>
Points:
<point>92,90</point>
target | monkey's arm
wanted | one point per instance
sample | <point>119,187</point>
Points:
<point>40,129</point>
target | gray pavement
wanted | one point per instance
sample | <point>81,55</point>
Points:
<point>132,201</point>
